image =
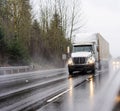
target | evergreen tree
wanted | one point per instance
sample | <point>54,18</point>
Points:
<point>35,39</point>
<point>56,35</point>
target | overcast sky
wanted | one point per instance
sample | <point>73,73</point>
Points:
<point>104,17</point>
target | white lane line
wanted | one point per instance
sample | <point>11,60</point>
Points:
<point>50,100</point>
<point>26,81</point>
<point>87,79</point>
<point>101,70</point>
<point>96,74</point>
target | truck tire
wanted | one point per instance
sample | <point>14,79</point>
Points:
<point>94,68</point>
<point>70,72</point>
<point>93,71</point>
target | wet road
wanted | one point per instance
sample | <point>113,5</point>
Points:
<point>53,91</point>
<point>80,97</point>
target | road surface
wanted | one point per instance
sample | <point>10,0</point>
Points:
<point>82,96</point>
<point>52,90</point>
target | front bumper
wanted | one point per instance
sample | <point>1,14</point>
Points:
<point>81,67</point>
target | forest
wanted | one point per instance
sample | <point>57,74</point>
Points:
<point>27,38</point>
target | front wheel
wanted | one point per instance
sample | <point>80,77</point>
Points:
<point>70,72</point>
<point>93,71</point>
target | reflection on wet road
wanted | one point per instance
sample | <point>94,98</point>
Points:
<point>56,92</point>
<point>91,90</point>
<point>79,97</point>
<point>117,103</point>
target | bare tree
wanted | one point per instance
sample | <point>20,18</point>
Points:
<point>75,19</point>
<point>71,16</point>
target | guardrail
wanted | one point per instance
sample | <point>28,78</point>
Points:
<point>20,91</point>
<point>15,69</point>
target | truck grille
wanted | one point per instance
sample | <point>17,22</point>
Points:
<point>79,60</point>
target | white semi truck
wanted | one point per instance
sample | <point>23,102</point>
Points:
<point>89,53</point>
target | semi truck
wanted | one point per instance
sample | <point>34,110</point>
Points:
<point>89,52</point>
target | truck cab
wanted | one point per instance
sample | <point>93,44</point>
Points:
<point>83,58</point>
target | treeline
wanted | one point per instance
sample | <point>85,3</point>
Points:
<point>24,39</point>
<point>15,26</point>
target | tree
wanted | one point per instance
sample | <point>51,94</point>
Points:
<point>3,47</point>
<point>17,54</point>
<point>53,24</point>
<point>15,20</point>
<point>58,42</point>
<point>35,39</point>
<point>43,38</point>
<point>75,21</point>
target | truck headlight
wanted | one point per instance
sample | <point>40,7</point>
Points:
<point>113,62</point>
<point>117,62</point>
<point>91,60</point>
<point>70,61</point>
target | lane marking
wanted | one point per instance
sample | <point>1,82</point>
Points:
<point>52,99</point>
<point>99,71</point>
<point>26,81</point>
<point>87,79</point>
<point>96,74</point>
<point>103,70</point>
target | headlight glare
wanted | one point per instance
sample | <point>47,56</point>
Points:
<point>70,61</point>
<point>117,62</point>
<point>91,60</point>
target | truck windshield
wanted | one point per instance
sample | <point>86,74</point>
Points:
<point>82,48</point>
